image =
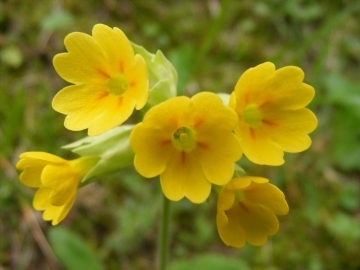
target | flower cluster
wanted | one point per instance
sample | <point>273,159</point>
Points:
<point>192,143</point>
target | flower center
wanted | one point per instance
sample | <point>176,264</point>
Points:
<point>184,138</point>
<point>118,84</point>
<point>239,196</point>
<point>252,115</point>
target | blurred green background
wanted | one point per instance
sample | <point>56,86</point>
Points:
<point>115,221</point>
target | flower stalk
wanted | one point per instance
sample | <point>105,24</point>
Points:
<point>164,235</point>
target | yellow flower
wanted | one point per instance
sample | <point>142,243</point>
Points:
<point>272,118</point>
<point>57,181</point>
<point>247,209</point>
<point>189,143</point>
<point>109,80</point>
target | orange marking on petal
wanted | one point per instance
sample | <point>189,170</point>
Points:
<point>120,101</point>
<point>102,96</point>
<point>165,142</point>
<point>132,84</point>
<point>103,74</point>
<point>198,122</point>
<point>246,97</point>
<point>121,66</point>
<point>183,158</point>
<point>266,102</point>
<point>253,190</point>
<point>269,123</point>
<point>203,145</point>
<point>252,133</point>
<point>244,208</point>
<point>174,121</point>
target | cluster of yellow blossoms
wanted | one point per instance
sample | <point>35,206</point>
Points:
<point>191,143</point>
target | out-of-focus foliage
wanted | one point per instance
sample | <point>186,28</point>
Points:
<point>72,251</point>
<point>210,43</point>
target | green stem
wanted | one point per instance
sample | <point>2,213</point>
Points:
<point>164,234</point>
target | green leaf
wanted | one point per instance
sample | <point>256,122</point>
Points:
<point>343,92</point>
<point>350,196</point>
<point>344,95</point>
<point>57,20</point>
<point>72,251</point>
<point>209,261</point>
<point>344,226</point>
<point>183,60</point>
<point>11,56</point>
<point>345,144</point>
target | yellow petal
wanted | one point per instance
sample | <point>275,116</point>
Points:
<point>138,82</point>
<point>249,88</point>
<point>258,147</point>
<point>286,90</point>
<point>63,211</point>
<point>289,129</point>
<point>240,182</point>
<point>32,164</point>
<point>65,190</point>
<point>217,151</point>
<point>153,149</point>
<point>117,112</point>
<point>28,163</point>
<point>268,196</point>
<point>41,198</point>
<point>183,177</point>
<point>169,115</point>
<point>63,180</point>
<point>57,213</point>
<point>208,110</point>
<point>82,103</point>
<point>55,174</point>
<point>256,221</point>
<point>41,156</point>
<point>232,234</point>
<point>255,179</point>
<point>115,46</point>
<point>226,199</point>
<point>232,103</point>
<point>50,212</point>
<point>31,177</point>
<point>85,62</point>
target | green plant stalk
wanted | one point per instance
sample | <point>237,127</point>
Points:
<point>164,235</point>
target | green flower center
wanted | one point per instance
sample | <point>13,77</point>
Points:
<point>118,84</point>
<point>239,196</point>
<point>252,115</point>
<point>184,138</point>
